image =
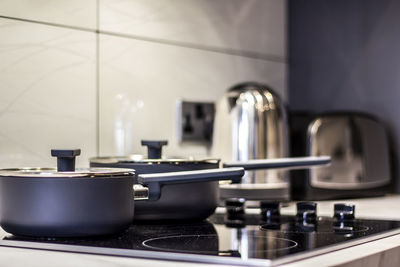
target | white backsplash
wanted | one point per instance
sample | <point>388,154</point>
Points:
<point>245,25</point>
<point>47,93</point>
<point>78,13</point>
<point>140,83</point>
<point>150,54</point>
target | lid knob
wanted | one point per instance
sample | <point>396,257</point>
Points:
<point>154,148</point>
<point>65,159</point>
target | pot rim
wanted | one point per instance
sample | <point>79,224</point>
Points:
<point>39,172</point>
<point>133,160</point>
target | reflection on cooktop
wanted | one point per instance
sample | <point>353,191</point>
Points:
<point>207,244</point>
<point>132,238</point>
<point>325,226</point>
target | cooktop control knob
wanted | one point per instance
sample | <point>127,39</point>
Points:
<point>235,206</point>
<point>306,211</point>
<point>270,209</point>
<point>343,212</point>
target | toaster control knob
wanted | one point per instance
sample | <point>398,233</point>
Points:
<point>235,206</point>
<point>306,211</point>
<point>270,209</point>
<point>343,212</point>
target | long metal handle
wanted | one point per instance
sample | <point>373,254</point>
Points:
<point>154,181</point>
<point>287,163</point>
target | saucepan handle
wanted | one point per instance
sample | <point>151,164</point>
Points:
<point>287,163</point>
<point>154,181</point>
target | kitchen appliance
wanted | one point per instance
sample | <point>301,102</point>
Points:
<point>46,202</point>
<point>170,205</point>
<point>251,123</point>
<point>359,147</point>
<point>238,237</point>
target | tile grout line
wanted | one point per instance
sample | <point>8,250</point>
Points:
<point>97,79</point>
<point>49,24</point>
<point>229,51</point>
<point>234,52</point>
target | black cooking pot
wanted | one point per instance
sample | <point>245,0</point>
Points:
<point>155,164</point>
<point>171,204</point>
<point>95,201</point>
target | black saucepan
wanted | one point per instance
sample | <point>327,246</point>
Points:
<point>66,202</point>
<point>155,164</point>
<point>171,204</point>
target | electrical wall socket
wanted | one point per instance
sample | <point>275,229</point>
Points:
<point>195,121</point>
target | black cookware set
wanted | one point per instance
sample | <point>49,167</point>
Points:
<point>105,198</point>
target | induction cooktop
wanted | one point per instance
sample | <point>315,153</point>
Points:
<point>233,237</point>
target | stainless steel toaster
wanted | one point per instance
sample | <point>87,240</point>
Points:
<point>359,147</point>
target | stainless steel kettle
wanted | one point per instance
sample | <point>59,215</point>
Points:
<point>251,123</point>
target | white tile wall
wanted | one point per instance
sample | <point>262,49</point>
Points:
<point>47,93</point>
<point>67,12</point>
<point>246,25</point>
<point>48,74</point>
<point>141,81</point>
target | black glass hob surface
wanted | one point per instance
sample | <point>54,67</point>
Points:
<point>228,239</point>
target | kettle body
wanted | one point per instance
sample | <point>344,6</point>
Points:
<point>251,123</point>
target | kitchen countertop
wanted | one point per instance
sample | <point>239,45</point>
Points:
<point>383,252</point>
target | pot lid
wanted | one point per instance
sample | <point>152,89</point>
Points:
<point>66,168</point>
<point>78,173</point>
<point>137,160</point>
<point>154,151</point>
